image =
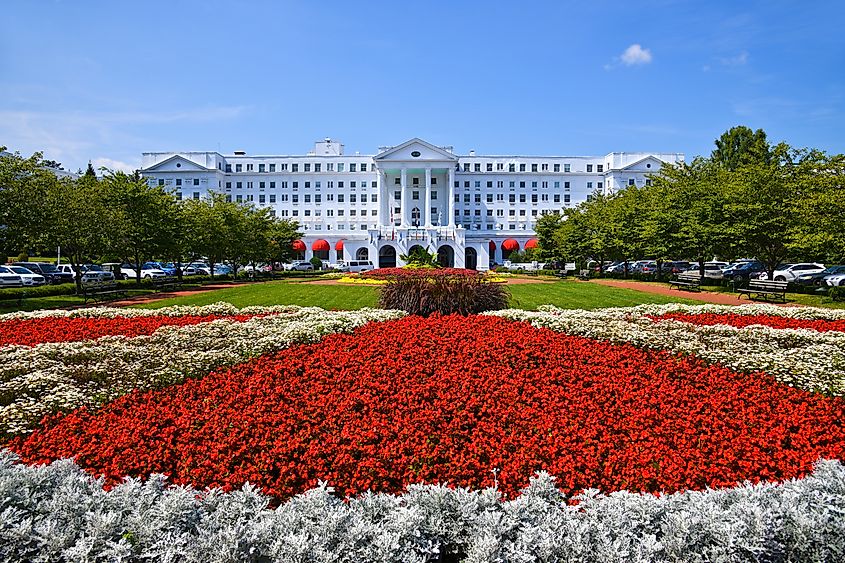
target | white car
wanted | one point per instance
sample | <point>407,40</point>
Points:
<point>146,273</point>
<point>299,266</point>
<point>28,277</point>
<point>790,272</point>
<point>8,278</point>
<point>712,270</point>
<point>835,280</point>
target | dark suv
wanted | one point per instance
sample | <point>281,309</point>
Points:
<point>742,271</point>
<point>49,271</point>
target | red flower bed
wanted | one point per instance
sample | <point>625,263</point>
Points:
<point>773,321</point>
<point>450,398</point>
<point>390,273</point>
<point>29,332</point>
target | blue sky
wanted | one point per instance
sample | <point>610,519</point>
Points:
<point>106,81</point>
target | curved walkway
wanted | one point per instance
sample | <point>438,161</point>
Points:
<point>705,296</point>
<point>152,297</point>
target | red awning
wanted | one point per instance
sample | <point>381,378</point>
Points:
<point>532,243</point>
<point>299,246</point>
<point>319,245</point>
<point>338,246</point>
<point>492,247</point>
<point>510,245</point>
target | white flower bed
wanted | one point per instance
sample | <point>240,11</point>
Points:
<point>59,513</point>
<point>38,380</point>
<point>219,308</point>
<point>807,359</point>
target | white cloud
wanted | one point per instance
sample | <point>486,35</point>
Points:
<point>636,55</point>
<point>115,165</point>
<point>737,60</point>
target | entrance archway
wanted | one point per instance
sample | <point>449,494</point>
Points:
<point>471,258</point>
<point>362,253</point>
<point>387,257</point>
<point>446,256</point>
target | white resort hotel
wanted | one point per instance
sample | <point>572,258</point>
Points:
<point>473,210</point>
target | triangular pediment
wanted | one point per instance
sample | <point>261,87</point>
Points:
<point>642,165</point>
<point>415,150</point>
<point>176,163</point>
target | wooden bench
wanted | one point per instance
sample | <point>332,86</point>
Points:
<point>687,280</point>
<point>765,290</point>
<point>169,282</point>
<point>101,291</point>
<point>583,275</point>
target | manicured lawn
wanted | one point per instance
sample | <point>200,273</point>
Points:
<point>282,293</point>
<point>566,294</point>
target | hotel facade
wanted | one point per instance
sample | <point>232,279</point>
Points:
<point>473,210</point>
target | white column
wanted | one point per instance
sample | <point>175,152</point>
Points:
<point>384,194</point>
<point>450,216</point>
<point>403,205</point>
<point>427,210</point>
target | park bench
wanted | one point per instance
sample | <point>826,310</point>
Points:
<point>101,291</point>
<point>687,280</point>
<point>166,283</point>
<point>764,289</point>
<point>583,274</point>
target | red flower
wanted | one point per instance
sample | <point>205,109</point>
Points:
<point>740,321</point>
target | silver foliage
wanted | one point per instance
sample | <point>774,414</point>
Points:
<point>59,513</point>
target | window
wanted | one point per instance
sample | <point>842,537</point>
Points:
<point>466,166</point>
<point>466,184</point>
<point>566,168</point>
<point>284,197</point>
<point>397,194</point>
<point>239,185</point>
<point>512,212</point>
<point>228,198</point>
<point>457,198</point>
<point>489,212</point>
<point>589,168</point>
<point>415,194</point>
<point>522,213</point>
<point>415,181</point>
<point>294,167</point>
<point>317,198</point>
<point>352,167</point>
<point>599,167</point>
<point>522,168</point>
<point>589,185</point>
<point>307,167</point>
<point>161,182</point>
<point>260,185</point>
<point>330,167</point>
<point>283,167</point>
<point>295,198</point>
<point>261,198</point>
<point>511,167</point>
<point>353,198</point>
<point>434,181</point>
<point>363,167</point>
<point>229,168</point>
<point>308,213</point>
<point>500,197</point>
<point>599,185</point>
<point>261,167</point>
<point>630,181</point>
<point>272,198</point>
<point>512,198</point>
<point>272,168</point>
<point>566,185</point>
<point>239,168</point>
<point>363,198</point>
<point>522,184</point>
<point>477,167</point>
<point>533,198</point>
<point>178,181</point>
<point>500,166</point>
<point>352,184</point>
<point>477,198</point>
<point>557,168</point>
<point>466,198</point>
<point>566,198</point>
<point>489,198</point>
<point>534,185</point>
<point>545,184</point>
<point>272,185</point>
<point>533,168</point>
<point>239,198</point>
<point>317,167</point>
<point>340,167</point>
<point>500,213</point>
<point>433,195</point>
<point>340,183</point>
<point>489,183</point>
<point>340,198</point>
<point>178,196</point>
<point>521,198</point>
<point>557,198</point>
<point>284,185</point>
<point>249,167</point>
<point>648,181</point>
<point>489,167</point>
<point>374,197</point>
<point>397,181</point>
<point>295,185</point>
<point>544,197</point>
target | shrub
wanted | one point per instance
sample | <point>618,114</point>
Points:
<point>425,292</point>
<point>837,293</point>
<point>317,263</point>
<point>23,257</point>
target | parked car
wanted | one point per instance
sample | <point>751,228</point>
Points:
<point>300,266</point>
<point>817,278</point>
<point>836,280</point>
<point>28,277</point>
<point>355,266</point>
<point>169,269</point>
<point>741,272</point>
<point>92,273</point>
<point>789,272</point>
<point>51,274</point>
<point>8,278</point>
<point>128,270</point>
<point>712,270</point>
<point>675,267</point>
<point>648,268</point>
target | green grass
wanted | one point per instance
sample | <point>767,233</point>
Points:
<point>568,294</point>
<point>282,293</point>
<point>565,294</point>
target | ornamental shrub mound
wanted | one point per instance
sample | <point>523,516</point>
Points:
<point>443,291</point>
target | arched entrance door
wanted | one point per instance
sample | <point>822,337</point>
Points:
<point>362,253</point>
<point>471,259</point>
<point>446,256</point>
<point>387,257</point>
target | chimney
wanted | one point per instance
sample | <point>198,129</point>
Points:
<point>472,153</point>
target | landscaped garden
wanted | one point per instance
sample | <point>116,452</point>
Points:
<point>651,432</point>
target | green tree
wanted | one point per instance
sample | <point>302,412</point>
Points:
<point>547,240</point>
<point>283,233</point>
<point>740,146</point>
<point>207,229</point>
<point>146,219</point>
<point>23,183</point>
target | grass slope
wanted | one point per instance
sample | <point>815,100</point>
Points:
<point>566,294</point>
